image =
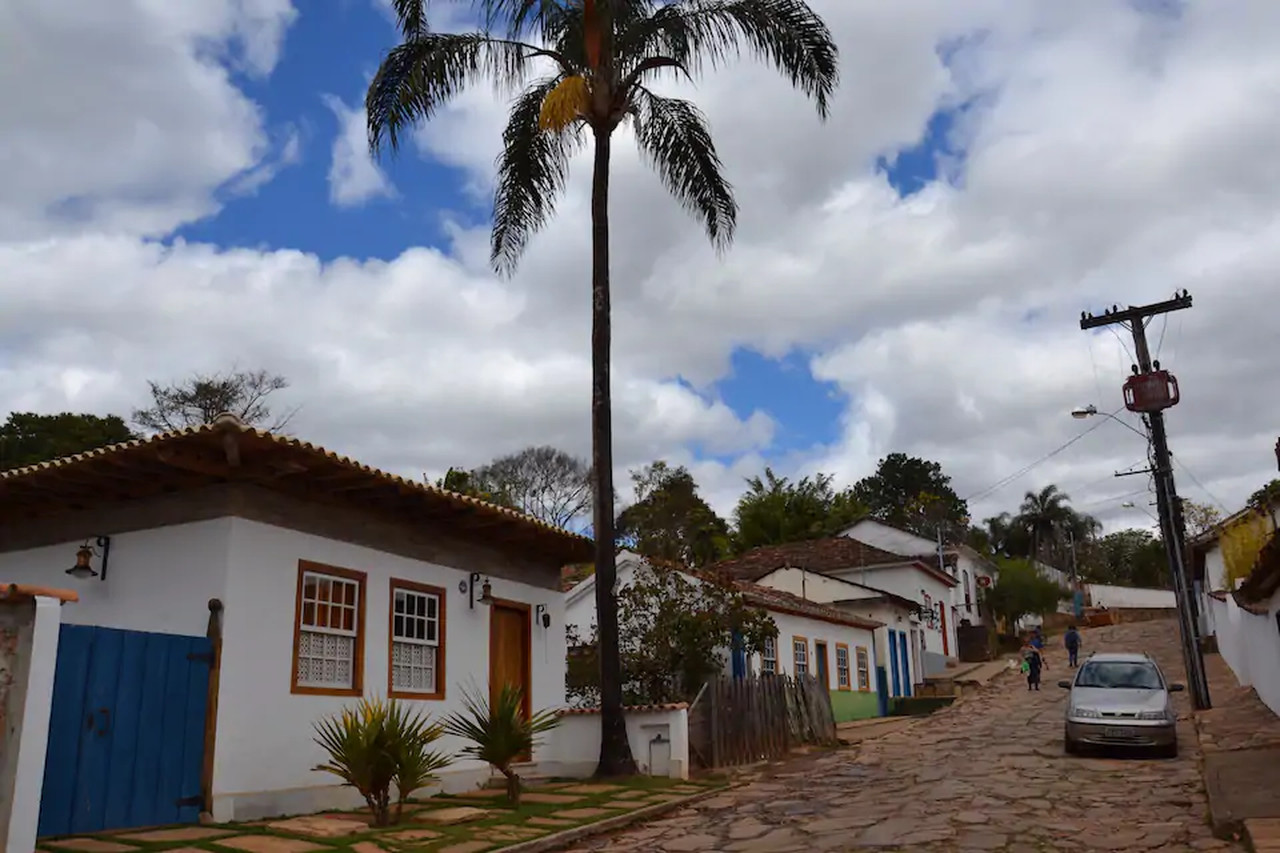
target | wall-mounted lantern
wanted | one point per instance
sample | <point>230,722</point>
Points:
<point>486,590</point>
<point>83,569</point>
<point>541,616</point>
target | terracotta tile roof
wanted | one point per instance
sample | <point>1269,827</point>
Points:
<point>284,455</point>
<point>784,602</point>
<point>819,555</point>
<point>634,709</point>
<point>18,591</point>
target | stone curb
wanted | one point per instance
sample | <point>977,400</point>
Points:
<point>560,840</point>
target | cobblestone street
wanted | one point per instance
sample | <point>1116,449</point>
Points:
<point>986,774</point>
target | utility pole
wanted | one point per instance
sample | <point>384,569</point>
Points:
<point>1167,500</point>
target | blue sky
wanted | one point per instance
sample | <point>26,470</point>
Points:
<point>294,209</point>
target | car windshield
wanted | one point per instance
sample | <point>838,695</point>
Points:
<point>1119,674</point>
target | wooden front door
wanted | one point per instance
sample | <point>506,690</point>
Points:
<point>509,658</point>
<point>824,675</point>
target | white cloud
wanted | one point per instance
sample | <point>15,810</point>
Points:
<point>354,177</point>
<point>1113,156</point>
<point>140,142</point>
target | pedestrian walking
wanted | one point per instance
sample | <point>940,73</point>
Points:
<point>1072,641</point>
<point>1032,662</point>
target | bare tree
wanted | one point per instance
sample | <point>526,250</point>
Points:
<point>202,397</point>
<point>542,481</point>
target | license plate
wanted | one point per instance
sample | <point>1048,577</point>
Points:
<point>1116,733</point>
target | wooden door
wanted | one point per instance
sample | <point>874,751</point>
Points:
<point>126,730</point>
<point>942,619</point>
<point>509,658</point>
<point>824,674</point>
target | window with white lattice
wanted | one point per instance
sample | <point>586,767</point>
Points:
<point>800,655</point>
<point>843,681</point>
<point>329,630</point>
<point>769,656</point>
<point>417,641</point>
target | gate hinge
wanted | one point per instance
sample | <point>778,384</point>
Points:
<point>197,800</point>
<point>203,657</point>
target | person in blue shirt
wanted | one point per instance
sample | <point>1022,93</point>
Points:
<point>1072,641</point>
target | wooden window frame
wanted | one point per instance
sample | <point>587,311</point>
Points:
<point>361,579</point>
<point>848,668</point>
<point>861,654</point>
<point>774,671</point>
<point>441,639</point>
<point>795,661</point>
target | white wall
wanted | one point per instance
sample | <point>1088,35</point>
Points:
<point>1122,596</point>
<point>1215,569</point>
<point>574,745</point>
<point>912,583</point>
<point>265,750</point>
<point>157,580</point>
<point>891,539</point>
<point>813,587</point>
<point>1250,644</point>
<point>818,631</point>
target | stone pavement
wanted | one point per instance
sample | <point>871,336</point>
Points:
<point>1240,738</point>
<point>988,773</point>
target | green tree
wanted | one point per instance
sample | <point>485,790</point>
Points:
<point>1200,518</point>
<point>202,397</point>
<point>669,519</point>
<point>463,482</point>
<point>27,438</point>
<point>1045,514</point>
<point>913,494</point>
<point>1021,591</point>
<point>675,632</point>
<point>593,64</point>
<point>1131,557</point>
<point>775,510</point>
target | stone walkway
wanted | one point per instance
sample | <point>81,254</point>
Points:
<point>986,774</point>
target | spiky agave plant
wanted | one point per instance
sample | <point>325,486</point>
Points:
<point>379,744</point>
<point>498,732</point>
<point>580,69</point>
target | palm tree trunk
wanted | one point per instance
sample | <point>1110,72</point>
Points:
<point>615,749</point>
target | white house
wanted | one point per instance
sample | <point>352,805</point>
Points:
<point>236,586</point>
<point>835,646</point>
<point>1243,614</point>
<point>969,567</point>
<point>900,620</point>
<point>921,646</point>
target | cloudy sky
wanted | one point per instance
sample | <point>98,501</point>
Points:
<point>186,186</point>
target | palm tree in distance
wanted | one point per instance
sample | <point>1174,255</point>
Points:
<point>1045,514</point>
<point>581,68</point>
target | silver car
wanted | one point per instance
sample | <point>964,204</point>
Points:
<point>1120,700</point>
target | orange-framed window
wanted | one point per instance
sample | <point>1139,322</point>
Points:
<point>416,641</point>
<point>864,669</point>
<point>844,680</point>
<point>328,631</point>
<point>800,655</point>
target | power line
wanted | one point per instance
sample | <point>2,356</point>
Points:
<point>1016,474</point>
<point>1196,480</point>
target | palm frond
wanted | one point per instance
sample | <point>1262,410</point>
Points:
<point>420,75</point>
<point>786,33</point>
<point>411,17</point>
<point>673,135</point>
<point>532,170</point>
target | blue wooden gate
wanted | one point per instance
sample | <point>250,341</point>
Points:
<point>893,662</point>
<point>126,733</point>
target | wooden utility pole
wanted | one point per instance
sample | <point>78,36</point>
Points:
<point>1167,500</point>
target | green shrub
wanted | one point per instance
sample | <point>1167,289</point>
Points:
<point>500,734</point>
<point>378,744</point>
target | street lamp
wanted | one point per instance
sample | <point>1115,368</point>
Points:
<point>1082,412</point>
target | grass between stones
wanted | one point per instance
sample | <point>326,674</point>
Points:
<point>426,827</point>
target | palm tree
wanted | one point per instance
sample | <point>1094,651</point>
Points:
<point>1045,514</point>
<point>583,67</point>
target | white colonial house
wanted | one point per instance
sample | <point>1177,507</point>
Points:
<point>966,565</point>
<point>838,647</point>
<point>234,587</point>
<point>1236,571</point>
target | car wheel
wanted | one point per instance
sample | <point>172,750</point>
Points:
<point>1070,747</point>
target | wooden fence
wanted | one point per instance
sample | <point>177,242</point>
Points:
<point>736,721</point>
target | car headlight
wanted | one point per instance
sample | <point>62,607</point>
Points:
<point>1085,712</point>
<point>1153,715</point>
